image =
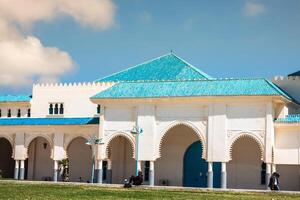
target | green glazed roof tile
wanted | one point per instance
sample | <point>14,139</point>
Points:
<point>294,118</point>
<point>12,98</point>
<point>213,87</point>
<point>48,121</point>
<point>167,67</point>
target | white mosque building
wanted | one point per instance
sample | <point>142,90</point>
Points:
<point>191,129</point>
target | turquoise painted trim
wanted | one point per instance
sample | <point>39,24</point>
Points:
<point>215,87</point>
<point>48,121</point>
<point>166,67</point>
<point>294,118</point>
<point>12,98</point>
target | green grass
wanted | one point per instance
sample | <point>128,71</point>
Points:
<point>12,190</point>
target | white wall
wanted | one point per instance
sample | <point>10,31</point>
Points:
<point>287,145</point>
<point>76,98</point>
<point>14,109</point>
<point>246,117</point>
<point>289,177</point>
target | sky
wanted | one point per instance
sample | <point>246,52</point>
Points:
<point>83,40</point>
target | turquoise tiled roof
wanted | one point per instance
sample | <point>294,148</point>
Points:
<point>48,121</point>
<point>295,118</point>
<point>167,67</point>
<point>215,87</point>
<point>12,98</point>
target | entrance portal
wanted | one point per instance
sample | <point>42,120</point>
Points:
<point>6,160</point>
<point>195,168</point>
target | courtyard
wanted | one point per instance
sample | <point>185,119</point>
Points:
<point>44,190</point>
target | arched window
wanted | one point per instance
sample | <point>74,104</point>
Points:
<point>61,109</point>
<point>51,109</point>
<point>28,112</point>
<point>9,113</point>
<point>19,113</point>
<point>98,109</point>
<point>56,109</point>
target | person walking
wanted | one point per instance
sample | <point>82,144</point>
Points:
<point>274,181</point>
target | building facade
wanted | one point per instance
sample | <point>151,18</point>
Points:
<point>197,131</point>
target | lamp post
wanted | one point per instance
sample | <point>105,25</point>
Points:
<point>136,131</point>
<point>93,141</point>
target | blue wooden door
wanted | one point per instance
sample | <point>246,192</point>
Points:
<point>195,168</point>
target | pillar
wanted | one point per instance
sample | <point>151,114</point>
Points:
<point>109,172</point>
<point>223,175</point>
<point>268,174</point>
<point>273,168</point>
<point>210,175</point>
<point>139,166</point>
<point>151,174</point>
<point>16,175</point>
<point>55,171</point>
<point>22,169</point>
<point>99,171</point>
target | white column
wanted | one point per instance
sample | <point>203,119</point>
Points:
<point>151,174</point>
<point>109,171</point>
<point>223,176</point>
<point>99,171</point>
<point>16,175</point>
<point>273,168</point>
<point>139,165</point>
<point>22,169</point>
<point>210,175</point>
<point>55,170</point>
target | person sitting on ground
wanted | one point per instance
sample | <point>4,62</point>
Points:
<point>137,180</point>
<point>274,181</point>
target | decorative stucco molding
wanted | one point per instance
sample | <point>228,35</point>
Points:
<point>126,134</point>
<point>200,134</point>
<point>256,135</point>
<point>68,138</point>
<point>30,137</point>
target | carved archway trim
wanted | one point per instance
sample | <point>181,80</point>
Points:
<point>249,135</point>
<point>188,124</point>
<point>116,134</point>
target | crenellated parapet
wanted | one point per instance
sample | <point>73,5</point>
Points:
<point>72,85</point>
<point>286,78</point>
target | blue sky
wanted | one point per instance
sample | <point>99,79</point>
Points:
<point>236,38</point>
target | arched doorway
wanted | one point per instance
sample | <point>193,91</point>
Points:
<point>195,168</point>
<point>39,165</point>
<point>80,160</point>
<point>169,168</point>
<point>245,168</point>
<point>7,163</point>
<point>120,152</point>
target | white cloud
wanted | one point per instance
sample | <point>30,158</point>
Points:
<point>252,9</point>
<point>22,56</point>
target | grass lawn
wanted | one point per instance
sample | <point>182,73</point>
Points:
<point>11,190</point>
